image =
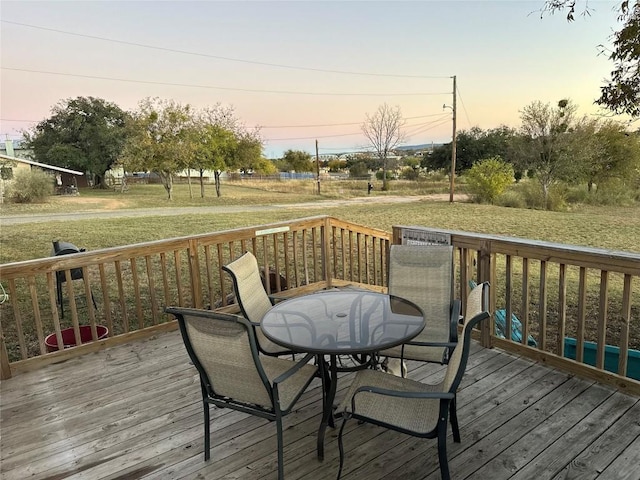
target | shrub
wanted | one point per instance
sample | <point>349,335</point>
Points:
<point>409,174</point>
<point>578,194</point>
<point>358,170</point>
<point>488,178</point>
<point>614,192</point>
<point>380,173</point>
<point>511,199</point>
<point>531,193</point>
<point>30,186</point>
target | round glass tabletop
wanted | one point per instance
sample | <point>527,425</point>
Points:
<point>343,322</point>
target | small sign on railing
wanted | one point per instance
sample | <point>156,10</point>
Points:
<point>415,236</point>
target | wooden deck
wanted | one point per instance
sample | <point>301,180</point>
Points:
<point>134,411</point>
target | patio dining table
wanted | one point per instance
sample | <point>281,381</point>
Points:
<point>334,323</point>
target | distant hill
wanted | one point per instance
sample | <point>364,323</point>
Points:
<point>422,146</point>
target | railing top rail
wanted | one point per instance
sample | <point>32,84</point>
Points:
<point>543,246</point>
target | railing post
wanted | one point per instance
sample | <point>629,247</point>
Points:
<point>326,251</point>
<point>194,272</point>
<point>5,368</point>
<point>484,275</point>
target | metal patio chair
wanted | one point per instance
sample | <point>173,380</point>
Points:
<point>234,375</point>
<point>423,274</point>
<point>412,407</point>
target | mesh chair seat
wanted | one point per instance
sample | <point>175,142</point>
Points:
<point>415,415</point>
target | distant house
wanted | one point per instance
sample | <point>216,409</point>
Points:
<point>13,157</point>
<point>67,180</point>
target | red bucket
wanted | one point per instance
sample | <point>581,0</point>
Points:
<point>69,337</point>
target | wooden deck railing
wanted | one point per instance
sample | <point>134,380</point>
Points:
<point>556,291</point>
<point>132,284</point>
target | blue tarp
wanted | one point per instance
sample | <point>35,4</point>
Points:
<point>500,317</point>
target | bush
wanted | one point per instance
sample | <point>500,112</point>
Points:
<point>511,199</point>
<point>380,173</point>
<point>409,174</point>
<point>613,192</point>
<point>488,178</point>
<point>533,196</point>
<point>30,186</point>
<point>578,194</point>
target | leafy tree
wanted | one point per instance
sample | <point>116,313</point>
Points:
<point>264,166</point>
<point>471,146</point>
<point>372,163</point>
<point>214,151</point>
<point>298,160</point>
<point>225,143</point>
<point>545,144</point>
<point>336,165</point>
<point>160,139</point>
<point>383,129</point>
<point>610,152</point>
<point>358,169</point>
<point>84,133</point>
<point>489,178</point>
<point>621,93</point>
<point>248,152</point>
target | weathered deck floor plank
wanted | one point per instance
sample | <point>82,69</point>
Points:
<point>133,412</point>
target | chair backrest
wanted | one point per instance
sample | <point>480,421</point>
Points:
<point>247,283</point>
<point>477,301</point>
<point>223,349</point>
<point>423,274</point>
<point>458,360</point>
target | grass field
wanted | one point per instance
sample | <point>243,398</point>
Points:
<point>616,228</point>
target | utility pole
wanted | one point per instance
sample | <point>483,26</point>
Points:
<point>317,168</point>
<point>453,144</point>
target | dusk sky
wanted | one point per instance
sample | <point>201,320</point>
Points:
<point>304,70</point>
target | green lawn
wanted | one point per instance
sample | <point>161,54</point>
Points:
<point>616,228</point>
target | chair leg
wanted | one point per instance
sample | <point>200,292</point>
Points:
<point>453,415</point>
<point>442,450</point>
<point>341,447</point>
<point>280,448</point>
<point>207,431</point>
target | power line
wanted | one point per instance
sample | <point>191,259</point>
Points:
<point>286,92</point>
<point>422,125</point>
<point>346,134</point>
<point>463,107</point>
<point>431,127</point>
<point>339,124</point>
<point>17,120</point>
<point>311,138</point>
<point>218,57</point>
<point>264,126</point>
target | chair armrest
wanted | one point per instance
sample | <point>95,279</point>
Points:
<point>274,298</point>
<point>400,394</point>
<point>297,366</point>
<point>432,344</point>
